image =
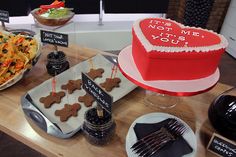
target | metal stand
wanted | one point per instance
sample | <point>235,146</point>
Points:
<point>3,26</point>
<point>101,13</point>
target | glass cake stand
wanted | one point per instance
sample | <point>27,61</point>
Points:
<point>158,100</point>
<point>161,93</point>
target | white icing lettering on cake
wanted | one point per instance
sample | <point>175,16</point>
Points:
<point>155,37</point>
<point>167,39</point>
<point>169,35</point>
<point>185,32</point>
<point>166,30</point>
<point>152,26</point>
<point>196,34</point>
<point>168,24</point>
<point>159,27</point>
<point>175,42</point>
<point>181,38</point>
<point>164,40</point>
<point>156,22</point>
<point>164,37</point>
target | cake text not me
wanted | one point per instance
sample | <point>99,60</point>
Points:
<point>166,33</point>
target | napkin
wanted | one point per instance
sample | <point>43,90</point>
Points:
<point>177,148</point>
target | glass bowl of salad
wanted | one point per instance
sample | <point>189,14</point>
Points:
<point>54,14</point>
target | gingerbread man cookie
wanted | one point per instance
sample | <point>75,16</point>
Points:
<point>87,99</point>
<point>95,73</point>
<point>68,111</point>
<point>72,85</point>
<point>52,98</point>
<point>110,83</point>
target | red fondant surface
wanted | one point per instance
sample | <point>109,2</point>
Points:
<point>170,87</point>
<point>155,65</point>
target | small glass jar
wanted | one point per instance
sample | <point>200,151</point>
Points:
<point>98,130</point>
<point>57,63</point>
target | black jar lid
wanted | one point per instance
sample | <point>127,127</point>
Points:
<point>56,56</point>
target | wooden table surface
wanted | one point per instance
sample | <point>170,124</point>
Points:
<point>193,110</point>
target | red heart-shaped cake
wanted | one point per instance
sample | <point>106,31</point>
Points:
<point>166,50</point>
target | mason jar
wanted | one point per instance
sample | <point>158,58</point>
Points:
<point>57,63</point>
<point>98,130</point>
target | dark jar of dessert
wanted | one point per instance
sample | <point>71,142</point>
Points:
<point>57,63</point>
<point>98,130</point>
<point>222,114</point>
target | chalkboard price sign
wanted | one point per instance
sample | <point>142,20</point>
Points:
<point>101,96</point>
<point>54,38</point>
<point>221,146</point>
<point>4,16</point>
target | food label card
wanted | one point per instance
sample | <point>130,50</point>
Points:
<point>221,146</point>
<point>54,38</point>
<point>4,16</point>
<point>102,97</point>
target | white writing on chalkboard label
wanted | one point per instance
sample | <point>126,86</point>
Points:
<point>221,146</point>
<point>4,16</point>
<point>54,38</point>
<point>101,96</point>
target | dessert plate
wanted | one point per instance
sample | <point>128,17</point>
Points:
<point>45,117</point>
<point>155,118</point>
<point>174,87</point>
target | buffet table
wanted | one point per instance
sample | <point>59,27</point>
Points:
<point>193,110</point>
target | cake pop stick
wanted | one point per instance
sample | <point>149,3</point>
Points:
<point>112,70</point>
<point>67,96</point>
<point>54,85</point>
<point>91,63</point>
<point>99,111</point>
<point>3,26</point>
<point>55,49</point>
<point>115,72</point>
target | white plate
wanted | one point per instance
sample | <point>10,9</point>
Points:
<point>171,87</point>
<point>155,118</point>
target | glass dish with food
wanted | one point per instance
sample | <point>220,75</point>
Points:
<point>55,14</point>
<point>18,53</point>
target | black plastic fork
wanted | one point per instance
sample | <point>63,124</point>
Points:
<point>153,142</point>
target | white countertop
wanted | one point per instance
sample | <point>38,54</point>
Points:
<point>84,30</point>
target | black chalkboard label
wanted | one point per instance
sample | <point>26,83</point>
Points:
<point>222,146</point>
<point>4,16</point>
<point>101,96</point>
<point>54,38</point>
